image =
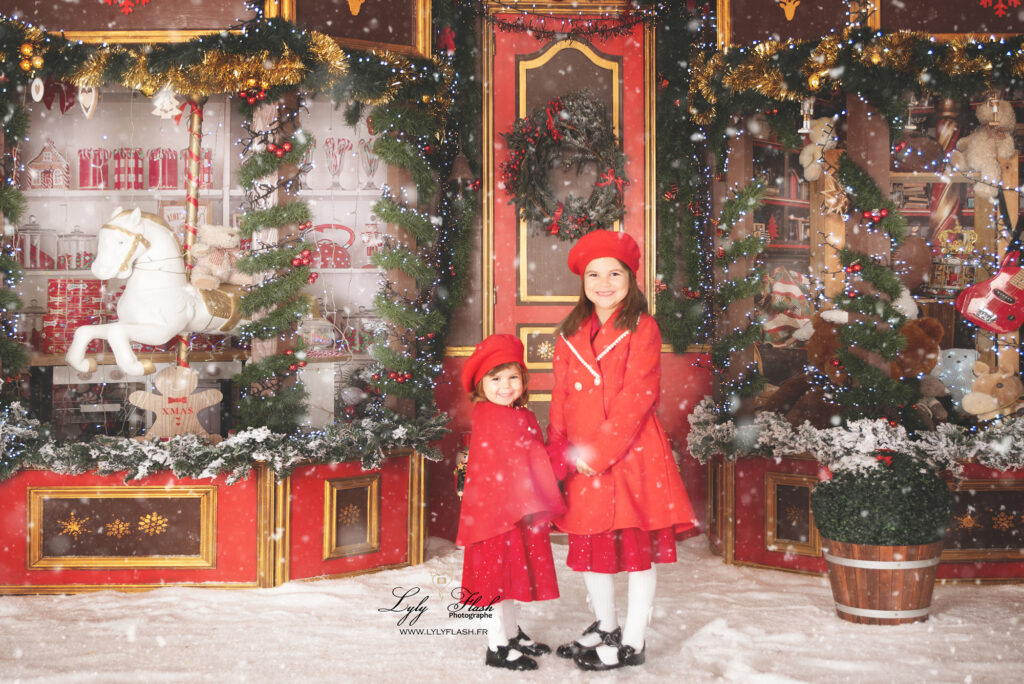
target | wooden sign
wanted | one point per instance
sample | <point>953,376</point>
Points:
<point>398,25</point>
<point>132,21</point>
<point>742,22</point>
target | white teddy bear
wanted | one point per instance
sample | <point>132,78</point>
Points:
<point>822,138</point>
<point>977,155</point>
<point>217,252</point>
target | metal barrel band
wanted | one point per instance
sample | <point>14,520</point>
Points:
<point>882,565</point>
<point>884,614</point>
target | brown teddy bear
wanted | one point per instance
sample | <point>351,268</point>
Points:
<point>802,399</point>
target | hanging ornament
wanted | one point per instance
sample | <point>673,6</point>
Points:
<point>88,99</point>
<point>37,89</point>
<point>165,104</point>
<point>807,111</point>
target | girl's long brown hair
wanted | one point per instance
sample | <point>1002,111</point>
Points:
<point>632,306</point>
<point>478,393</point>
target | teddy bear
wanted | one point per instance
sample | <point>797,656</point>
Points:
<point>217,252</point>
<point>977,155</point>
<point>822,137</point>
<point>996,391</point>
<point>807,397</point>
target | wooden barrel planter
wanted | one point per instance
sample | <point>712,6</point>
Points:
<point>882,585</point>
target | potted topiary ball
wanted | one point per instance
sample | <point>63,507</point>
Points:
<point>882,519</point>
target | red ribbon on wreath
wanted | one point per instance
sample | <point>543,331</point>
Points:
<point>609,177</point>
<point>556,219</point>
<point>553,108</point>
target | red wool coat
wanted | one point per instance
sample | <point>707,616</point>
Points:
<point>609,422</point>
<point>508,474</point>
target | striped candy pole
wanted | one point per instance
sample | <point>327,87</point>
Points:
<point>192,161</point>
<point>945,196</point>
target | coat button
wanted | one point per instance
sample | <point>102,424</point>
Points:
<point>578,386</point>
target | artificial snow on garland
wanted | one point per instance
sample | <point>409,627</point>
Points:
<point>25,443</point>
<point>838,448</point>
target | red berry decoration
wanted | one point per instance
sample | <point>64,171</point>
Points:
<point>302,364</point>
<point>286,146</point>
<point>883,212</point>
<point>271,147</point>
<point>251,100</point>
<point>293,367</point>
<point>305,253</point>
<point>289,352</point>
<point>312,278</point>
<point>279,153</point>
<point>857,268</point>
<point>296,261</point>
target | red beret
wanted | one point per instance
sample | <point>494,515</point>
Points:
<point>604,243</point>
<point>491,353</point>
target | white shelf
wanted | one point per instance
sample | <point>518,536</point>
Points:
<point>59,193</point>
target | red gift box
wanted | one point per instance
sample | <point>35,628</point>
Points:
<point>128,168</point>
<point>73,296</point>
<point>163,168</point>
<point>92,168</point>
<point>59,331</point>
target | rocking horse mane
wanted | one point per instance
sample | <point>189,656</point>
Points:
<point>154,218</point>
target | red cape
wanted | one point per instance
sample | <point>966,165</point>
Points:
<point>508,475</point>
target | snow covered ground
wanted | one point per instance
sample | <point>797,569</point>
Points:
<point>713,622</point>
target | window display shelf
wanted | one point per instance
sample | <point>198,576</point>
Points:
<point>107,359</point>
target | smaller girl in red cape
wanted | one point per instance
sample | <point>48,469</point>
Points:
<point>509,499</point>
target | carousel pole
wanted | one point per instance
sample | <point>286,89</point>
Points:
<point>192,171</point>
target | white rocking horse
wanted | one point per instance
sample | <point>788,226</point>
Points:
<point>158,302</point>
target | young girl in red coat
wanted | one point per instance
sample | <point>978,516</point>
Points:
<point>509,498</point>
<point>624,497</point>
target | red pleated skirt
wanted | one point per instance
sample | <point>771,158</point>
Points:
<point>628,550</point>
<point>515,565</point>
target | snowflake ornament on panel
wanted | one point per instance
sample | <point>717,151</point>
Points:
<point>73,526</point>
<point>153,524</point>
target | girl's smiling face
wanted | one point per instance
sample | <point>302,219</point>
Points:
<point>606,284</point>
<point>503,387</point>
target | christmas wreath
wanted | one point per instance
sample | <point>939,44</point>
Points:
<point>574,131</point>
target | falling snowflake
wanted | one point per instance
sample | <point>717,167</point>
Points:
<point>119,528</point>
<point>73,526</point>
<point>967,521</point>
<point>1002,521</point>
<point>348,515</point>
<point>153,524</point>
<point>546,350</point>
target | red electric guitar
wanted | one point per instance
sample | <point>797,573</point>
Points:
<point>997,304</point>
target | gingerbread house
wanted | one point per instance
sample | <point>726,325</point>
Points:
<point>49,169</point>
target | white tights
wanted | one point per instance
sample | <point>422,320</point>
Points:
<point>601,590</point>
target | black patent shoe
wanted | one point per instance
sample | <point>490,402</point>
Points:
<point>627,655</point>
<point>499,658</point>
<point>571,650</point>
<point>526,645</point>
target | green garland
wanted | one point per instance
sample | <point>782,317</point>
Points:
<point>748,381</point>
<point>573,131</point>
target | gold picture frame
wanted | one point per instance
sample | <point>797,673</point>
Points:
<point>334,512</point>
<point>772,540</point>
<point>38,532</point>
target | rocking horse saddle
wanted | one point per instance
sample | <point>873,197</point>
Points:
<point>224,302</point>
